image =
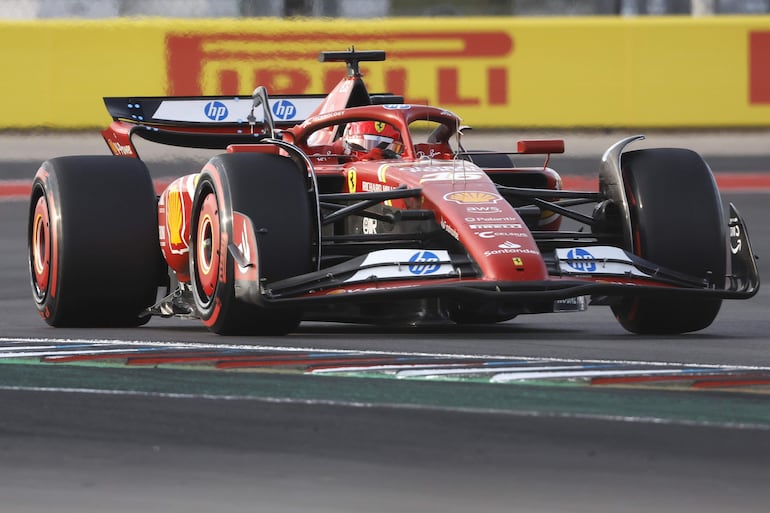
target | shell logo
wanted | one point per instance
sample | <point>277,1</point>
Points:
<point>175,219</point>
<point>178,201</point>
<point>474,197</point>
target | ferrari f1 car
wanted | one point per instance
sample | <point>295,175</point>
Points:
<point>358,207</point>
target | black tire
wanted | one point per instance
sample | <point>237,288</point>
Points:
<point>272,192</point>
<point>677,221</point>
<point>94,253</point>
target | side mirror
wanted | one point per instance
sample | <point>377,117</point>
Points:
<point>259,98</point>
<point>540,146</point>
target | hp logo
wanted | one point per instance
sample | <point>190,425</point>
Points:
<point>215,111</point>
<point>284,109</point>
<point>424,262</point>
<point>581,260</point>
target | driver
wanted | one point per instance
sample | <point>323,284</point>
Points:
<point>372,140</point>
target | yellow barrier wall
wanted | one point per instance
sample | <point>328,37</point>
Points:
<point>495,72</point>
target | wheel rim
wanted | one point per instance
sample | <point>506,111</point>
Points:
<point>207,252</point>
<point>40,246</point>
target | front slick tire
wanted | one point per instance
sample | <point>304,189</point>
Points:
<point>271,192</point>
<point>94,255</point>
<point>677,221</point>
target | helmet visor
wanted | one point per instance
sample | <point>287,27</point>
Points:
<point>367,142</point>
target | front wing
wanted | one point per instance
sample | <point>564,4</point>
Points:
<point>607,272</point>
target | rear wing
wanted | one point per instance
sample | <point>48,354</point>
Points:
<point>219,112</point>
<point>216,112</point>
<point>211,122</point>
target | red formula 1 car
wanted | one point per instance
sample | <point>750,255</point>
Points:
<point>357,207</point>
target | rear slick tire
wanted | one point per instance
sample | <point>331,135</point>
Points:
<point>94,252</point>
<point>272,193</point>
<point>677,221</point>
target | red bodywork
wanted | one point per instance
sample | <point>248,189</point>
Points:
<point>462,195</point>
<point>501,254</point>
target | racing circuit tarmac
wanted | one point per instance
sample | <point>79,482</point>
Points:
<point>169,417</point>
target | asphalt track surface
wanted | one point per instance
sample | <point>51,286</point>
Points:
<point>108,436</point>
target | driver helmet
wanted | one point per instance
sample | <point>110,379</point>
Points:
<point>364,136</point>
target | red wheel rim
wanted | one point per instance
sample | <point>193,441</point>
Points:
<point>40,245</point>
<point>207,250</point>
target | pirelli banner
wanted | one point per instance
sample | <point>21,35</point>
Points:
<point>495,72</point>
